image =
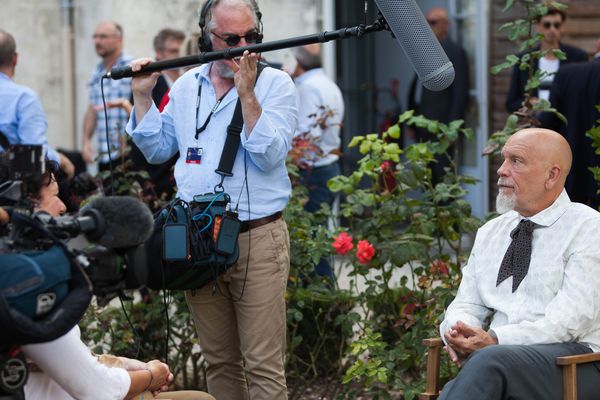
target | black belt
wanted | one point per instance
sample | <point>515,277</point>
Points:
<point>255,223</point>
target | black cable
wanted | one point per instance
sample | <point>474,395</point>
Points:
<point>112,179</point>
<point>244,183</point>
<point>138,339</point>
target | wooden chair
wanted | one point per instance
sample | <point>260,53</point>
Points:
<point>568,363</point>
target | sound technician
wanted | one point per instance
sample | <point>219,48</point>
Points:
<point>242,325</point>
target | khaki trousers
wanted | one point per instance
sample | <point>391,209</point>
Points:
<point>242,327</point>
<point>178,395</point>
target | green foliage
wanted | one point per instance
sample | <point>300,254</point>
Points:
<point>521,32</point>
<point>417,228</point>
<point>107,330</point>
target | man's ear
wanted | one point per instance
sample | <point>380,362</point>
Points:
<point>15,58</point>
<point>553,176</point>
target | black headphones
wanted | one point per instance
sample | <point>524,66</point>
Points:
<point>204,43</point>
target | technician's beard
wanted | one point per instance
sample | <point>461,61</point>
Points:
<point>224,70</point>
<point>505,203</point>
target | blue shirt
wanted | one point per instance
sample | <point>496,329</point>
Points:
<point>320,99</point>
<point>263,150</point>
<point>22,119</point>
<point>117,117</point>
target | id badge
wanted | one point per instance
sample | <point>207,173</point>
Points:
<point>194,155</point>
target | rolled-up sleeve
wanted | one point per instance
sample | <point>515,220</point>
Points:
<point>154,135</point>
<point>271,138</point>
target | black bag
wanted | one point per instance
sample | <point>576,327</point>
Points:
<point>198,231</point>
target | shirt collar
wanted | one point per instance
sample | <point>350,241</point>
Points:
<point>203,73</point>
<point>307,75</point>
<point>4,76</point>
<point>551,214</point>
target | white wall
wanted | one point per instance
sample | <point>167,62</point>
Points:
<point>36,26</point>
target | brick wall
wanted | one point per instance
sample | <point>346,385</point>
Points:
<point>582,30</point>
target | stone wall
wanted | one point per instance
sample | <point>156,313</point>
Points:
<point>41,33</point>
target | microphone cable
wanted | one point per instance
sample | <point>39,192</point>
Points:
<point>244,184</point>
<point>110,165</point>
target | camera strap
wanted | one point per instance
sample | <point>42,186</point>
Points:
<point>233,139</point>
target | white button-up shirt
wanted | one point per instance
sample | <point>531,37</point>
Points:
<point>317,90</point>
<point>559,299</point>
<point>262,169</point>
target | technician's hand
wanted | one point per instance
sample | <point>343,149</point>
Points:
<point>245,74</point>
<point>142,85</point>
<point>464,339</point>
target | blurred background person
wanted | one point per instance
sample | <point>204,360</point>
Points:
<point>108,40</point>
<point>320,116</point>
<point>446,105</point>
<point>551,27</point>
<point>22,119</point>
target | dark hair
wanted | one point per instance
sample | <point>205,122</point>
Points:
<point>8,47</point>
<point>34,186</point>
<point>306,59</point>
<point>553,11</point>
<point>165,34</point>
<point>119,29</point>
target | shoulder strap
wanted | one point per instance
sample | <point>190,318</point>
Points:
<point>232,142</point>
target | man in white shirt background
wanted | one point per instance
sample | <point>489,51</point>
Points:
<point>506,333</point>
<point>320,117</point>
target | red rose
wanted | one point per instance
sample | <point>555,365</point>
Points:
<point>364,252</point>
<point>438,267</point>
<point>386,165</point>
<point>343,243</point>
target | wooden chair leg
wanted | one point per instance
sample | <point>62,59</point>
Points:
<point>432,389</point>
<point>570,382</point>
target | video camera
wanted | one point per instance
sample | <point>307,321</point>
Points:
<point>51,266</point>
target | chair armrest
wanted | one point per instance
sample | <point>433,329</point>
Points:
<point>578,359</point>
<point>569,366</point>
<point>432,389</point>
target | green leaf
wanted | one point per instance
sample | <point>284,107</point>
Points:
<point>508,5</point>
<point>356,140</point>
<point>394,131</point>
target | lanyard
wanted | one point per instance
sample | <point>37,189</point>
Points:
<point>214,109</point>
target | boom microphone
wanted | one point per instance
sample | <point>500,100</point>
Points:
<point>128,222</point>
<point>422,48</point>
<point>402,17</point>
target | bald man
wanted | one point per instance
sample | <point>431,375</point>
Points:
<point>529,292</point>
<point>447,105</point>
<point>108,41</point>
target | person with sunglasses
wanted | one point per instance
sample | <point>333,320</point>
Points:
<point>241,318</point>
<point>551,27</point>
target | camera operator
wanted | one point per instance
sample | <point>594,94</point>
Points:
<point>65,368</point>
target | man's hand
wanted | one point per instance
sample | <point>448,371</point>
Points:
<point>245,74</point>
<point>141,87</point>
<point>161,376</point>
<point>463,339</point>
<point>87,152</point>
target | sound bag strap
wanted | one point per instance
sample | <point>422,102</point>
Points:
<point>232,141</point>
